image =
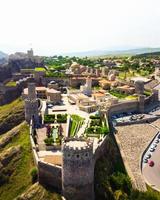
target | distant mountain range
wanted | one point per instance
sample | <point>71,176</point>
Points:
<point>3,58</point>
<point>94,53</point>
<point>114,52</point>
<point>3,55</point>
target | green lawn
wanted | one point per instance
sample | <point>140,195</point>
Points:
<point>11,115</point>
<point>11,84</point>
<point>20,178</point>
<point>40,69</point>
<point>76,123</point>
<point>118,94</point>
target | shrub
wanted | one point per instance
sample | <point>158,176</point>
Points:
<point>49,118</point>
<point>34,174</point>
<point>104,130</point>
<point>94,117</point>
<point>120,181</point>
<point>62,118</point>
<point>3,179</point>
<point>49,141</point>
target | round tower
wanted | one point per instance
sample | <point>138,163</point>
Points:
<point>78,169</point>
<point>31,104</point>
<point>139,87</point>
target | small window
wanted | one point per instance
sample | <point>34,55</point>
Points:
<point>77,156</point>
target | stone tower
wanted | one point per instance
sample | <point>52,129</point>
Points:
<point>31,104</point>
<point>30,53</point>
<point>77,169</point>
<point>87,88</point>
<point>139,87</point>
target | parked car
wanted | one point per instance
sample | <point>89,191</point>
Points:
<point>157,141</point>
<point>148,156</point>
<point>151,163</point>
<point>50,106</point>
<point>152,149</point>
<point>154,145</point>
<point>158,136</point>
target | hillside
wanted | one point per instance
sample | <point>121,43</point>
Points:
<point>16,162</point>
<point>126,52</point>
<point>11,115</point>
<point>3,55</point>
<point>149,55</point>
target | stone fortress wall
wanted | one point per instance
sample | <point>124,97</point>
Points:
<point>139,105</point>
<point>10,93</point>
<point>58,177</point>
<point>76,165</point>
<point>49,174</point>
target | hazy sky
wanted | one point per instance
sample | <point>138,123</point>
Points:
<point>55,26</point>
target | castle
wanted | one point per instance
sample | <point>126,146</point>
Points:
<point>68,166</point>
<point>75,176</point>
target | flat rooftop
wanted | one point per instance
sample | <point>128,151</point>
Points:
<point>79,144</point>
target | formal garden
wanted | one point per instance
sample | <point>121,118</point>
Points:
<point>54,135</point>
<point>54,124</point>
<point>98,127</point>
<point>59,118</point>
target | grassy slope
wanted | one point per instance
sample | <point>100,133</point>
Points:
<point>11,115</point>
<point>38,192</point>
<point>20,180</point>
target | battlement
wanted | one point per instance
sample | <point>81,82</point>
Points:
<point>31,100</point>
<point>77,144</point>
<point>77,148</point>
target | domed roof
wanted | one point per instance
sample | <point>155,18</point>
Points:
<point>74,65</point>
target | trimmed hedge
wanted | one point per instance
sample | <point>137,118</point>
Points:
<point>49,118</point>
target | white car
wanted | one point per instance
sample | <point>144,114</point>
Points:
<point>154,145</point>
<point>148,156</point>
<point>157,141</point>
<point>152,149</point>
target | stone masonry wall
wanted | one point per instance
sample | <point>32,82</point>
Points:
<point>50,175</point>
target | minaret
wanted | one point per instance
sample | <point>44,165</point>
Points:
<point>31,104</point>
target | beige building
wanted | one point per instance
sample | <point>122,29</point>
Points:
<point>99,96</point>
<point>88,105</point>
<point>51,95</point>
<point>126,89</point>
<point>106,84</point>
